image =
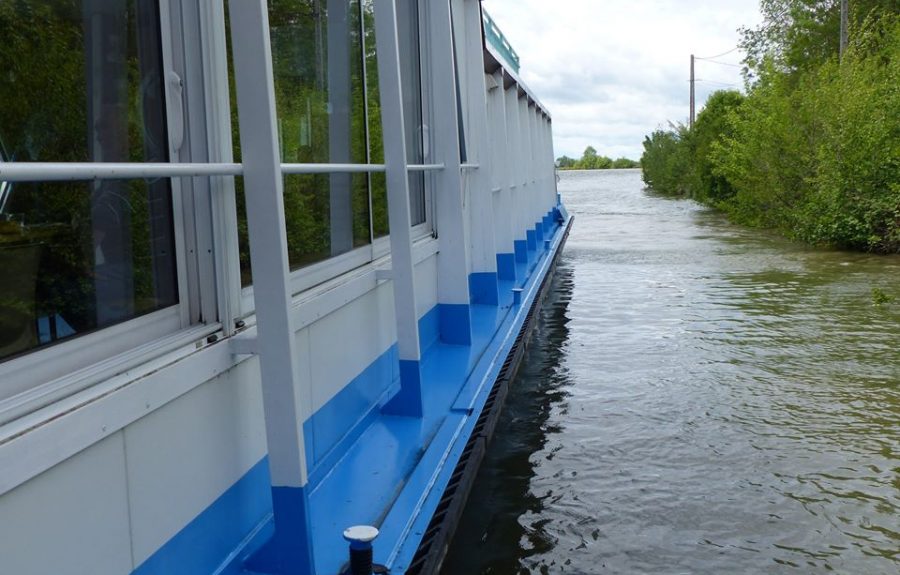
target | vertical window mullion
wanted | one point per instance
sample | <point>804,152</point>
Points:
<point>366,119</point>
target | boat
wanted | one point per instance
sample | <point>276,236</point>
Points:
<point>268,270</point>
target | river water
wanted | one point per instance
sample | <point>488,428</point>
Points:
<point>697,398</point>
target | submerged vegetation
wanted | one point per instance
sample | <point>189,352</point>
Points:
<point>813,149</point>
<point>591,161</point>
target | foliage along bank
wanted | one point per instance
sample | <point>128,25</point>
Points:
<point>813,149</point>
<point>591,161</point>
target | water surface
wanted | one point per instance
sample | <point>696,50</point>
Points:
<point>697,398</point>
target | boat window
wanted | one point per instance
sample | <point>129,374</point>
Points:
<point>82,82</point>
<point>318,71</point>
<point>327,99</point>
<point>411,83</point>
<point>408,26</point>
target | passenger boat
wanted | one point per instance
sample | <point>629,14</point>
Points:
<point>267,267</point>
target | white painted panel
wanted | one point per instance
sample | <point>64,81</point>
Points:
<point>345,342</point>
<point>71,519</point>
<point>500,232</point>
<point>182,457</point>
<point>426,285</point>
<point>305,374</point>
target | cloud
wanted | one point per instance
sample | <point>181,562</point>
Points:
<point>612,71</point>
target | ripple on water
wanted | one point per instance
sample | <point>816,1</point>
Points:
<point>697,398</point>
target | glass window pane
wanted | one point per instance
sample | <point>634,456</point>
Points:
<point>81,81</point>
<point>317,61</point>
<point>410,73</point>
<point>377,181</point>
<point>411,83</point>
<point>317,64</point>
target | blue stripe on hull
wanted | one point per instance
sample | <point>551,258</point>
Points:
<point>531,240</point>
<point>483,288</point>
<point>521,248</point>
<point>456,324</point>
<point>506,267</point>
<point>363,456</point>
<point>213,536</point>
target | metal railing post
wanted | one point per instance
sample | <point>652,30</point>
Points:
<point>453,264</point>
<point>278,361</point>
<point>409,400</point>
<point>483,281</point>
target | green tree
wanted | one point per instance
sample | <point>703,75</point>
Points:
<point>624,163</point>
<point>812,149</point>
<point>565,162</point>
<point>711,127</point>
<point>588,159</point>
<point>665,161</point>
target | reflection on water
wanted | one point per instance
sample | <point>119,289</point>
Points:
<point>532,411</point>
<point>698,398</point>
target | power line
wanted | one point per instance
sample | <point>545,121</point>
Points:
<point>719,55</point>
<point>720,63</point>
<point>719,82</point>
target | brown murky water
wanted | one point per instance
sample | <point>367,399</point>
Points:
<point>697,398</point>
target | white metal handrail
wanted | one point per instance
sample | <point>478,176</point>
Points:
<point>424,167</point>
<point>89,171</point>
<point>330,168</point>
<point>77,171</point>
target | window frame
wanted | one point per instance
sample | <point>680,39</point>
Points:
<point>46,374</point>
<point>312,275</point>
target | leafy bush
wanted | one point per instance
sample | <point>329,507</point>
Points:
<point>814,148</point>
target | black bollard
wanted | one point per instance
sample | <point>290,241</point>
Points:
<point>361,553</point>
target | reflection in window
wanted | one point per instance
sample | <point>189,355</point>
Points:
<point>411,83</point>
<point>320,102</point>
<point>327,100</point>
<point>317,64</point>
<point>81,82</point>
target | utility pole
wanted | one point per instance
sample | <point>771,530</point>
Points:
<point>844,18</point>
<point>691,117</point>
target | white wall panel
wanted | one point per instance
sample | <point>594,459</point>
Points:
<point>182,457</point>
<point>426,285</point>
<point>346,341</point>
<point>71,519</point>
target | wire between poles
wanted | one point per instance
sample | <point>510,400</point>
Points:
<point>718,55</point>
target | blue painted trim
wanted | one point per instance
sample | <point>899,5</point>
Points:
<point>483,288</point>
<point>408,401</point>
<point>239,524</point>
<point>506,267</point>
<point>355,402</point>
<point>429,329</point>
<point>531,240</point>
<point>218,530</point>
<point>521,247</point>
<point>539,234</point>
<point>456,324</point>
<point>290,549</point>
<point>410,513</point>
<point>336,425</point>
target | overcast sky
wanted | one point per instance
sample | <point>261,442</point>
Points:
<point>612,71</point>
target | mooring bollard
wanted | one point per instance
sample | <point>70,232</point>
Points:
<point>360,538</point>
<point>517,296</point>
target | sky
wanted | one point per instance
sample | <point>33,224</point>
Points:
<point>612,71</point>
